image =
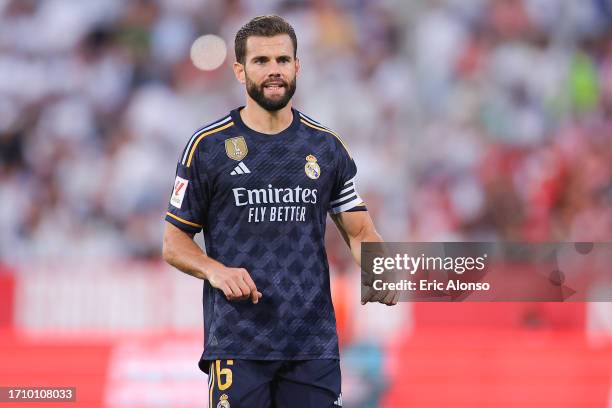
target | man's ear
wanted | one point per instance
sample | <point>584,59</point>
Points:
<point>239,72</point>
<point>297,66</point>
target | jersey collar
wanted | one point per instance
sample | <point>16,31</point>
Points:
<point>295,124</point>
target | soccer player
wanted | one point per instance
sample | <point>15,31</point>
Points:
<point>259,182</point>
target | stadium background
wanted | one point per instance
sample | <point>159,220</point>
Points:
<point>469,120</point>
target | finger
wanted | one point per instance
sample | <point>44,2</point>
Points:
<point>226,291</point>
<point>367,297</point>
<point>379,296</point>
<point>245,291</point>
<point>396,298</point>
<point>367,279</point>
<point>388,299</point>
<point>234,289</point>
<point>255,296</point>
<point>376,295</point>
<point>249,281</point>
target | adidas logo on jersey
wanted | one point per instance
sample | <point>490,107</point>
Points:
<point>338,402</point>
<point>241,168</point>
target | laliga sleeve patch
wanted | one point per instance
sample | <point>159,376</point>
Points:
<point>178,193</point>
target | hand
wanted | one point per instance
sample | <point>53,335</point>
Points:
<point>386,297</point>
<point>371,295</point>
<point>235,283</point>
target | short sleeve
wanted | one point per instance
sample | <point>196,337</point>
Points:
<point>189,199</point>
<point>344,196</point>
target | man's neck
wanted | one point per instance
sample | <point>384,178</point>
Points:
<point>263,121</point>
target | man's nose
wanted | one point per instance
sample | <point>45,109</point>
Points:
<point>274,70</point>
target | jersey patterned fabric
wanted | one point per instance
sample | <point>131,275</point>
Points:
<point>262,202</point>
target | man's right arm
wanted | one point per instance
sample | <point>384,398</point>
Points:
<point>182,252</point>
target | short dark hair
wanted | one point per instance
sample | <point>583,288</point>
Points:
<point>262,26</point>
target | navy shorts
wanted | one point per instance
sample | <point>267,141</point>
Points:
<point>274,384</point>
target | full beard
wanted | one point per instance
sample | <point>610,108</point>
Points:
<point>271,105</point>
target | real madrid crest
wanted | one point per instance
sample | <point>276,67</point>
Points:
<point>311,168</point>
<point>223,402</point>
<point>236,148</point>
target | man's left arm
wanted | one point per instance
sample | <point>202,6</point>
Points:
<point>357,227</point>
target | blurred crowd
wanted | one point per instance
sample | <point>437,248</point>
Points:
<point>468,119</point>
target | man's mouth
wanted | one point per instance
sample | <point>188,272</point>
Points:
<point>274,85</point>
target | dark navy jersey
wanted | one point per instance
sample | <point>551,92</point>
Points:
<point>262,202</point>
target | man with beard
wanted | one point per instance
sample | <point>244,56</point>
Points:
<point>259,183</point>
